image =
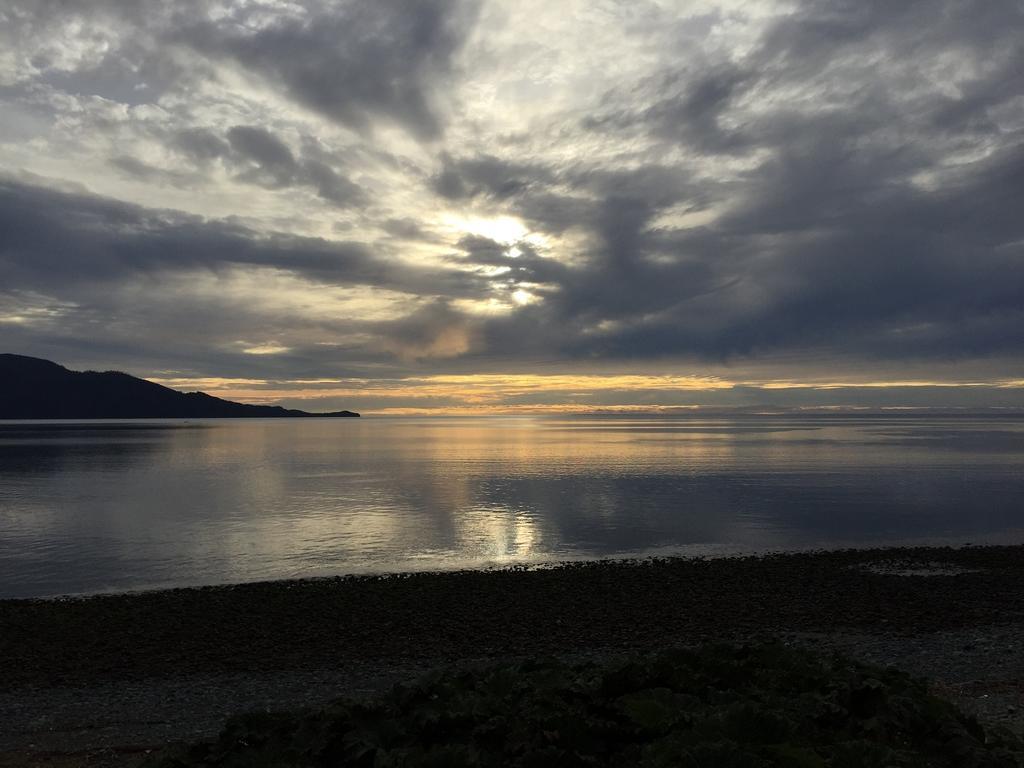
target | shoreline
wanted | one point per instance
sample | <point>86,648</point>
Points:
<point>108,671</point>
<point>1009,539</point>
<point>981,581</point>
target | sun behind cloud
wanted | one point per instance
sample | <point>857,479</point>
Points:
<point>392,192</point>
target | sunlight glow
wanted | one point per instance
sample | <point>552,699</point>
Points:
<point>875,384</point>
<point>504,229</point>
<point>522,298</point>
<point>265,349</point>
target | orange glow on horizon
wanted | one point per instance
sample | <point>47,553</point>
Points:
<point>529,410</point>
<point>504,393</point>
<point>471,388</point>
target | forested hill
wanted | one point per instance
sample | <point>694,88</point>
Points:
<point>32,388</point>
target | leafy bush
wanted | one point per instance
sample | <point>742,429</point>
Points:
<point>720,706</point>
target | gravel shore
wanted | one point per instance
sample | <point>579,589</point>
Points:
<point>102,680</point>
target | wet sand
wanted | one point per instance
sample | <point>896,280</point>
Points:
<point>101,680</point>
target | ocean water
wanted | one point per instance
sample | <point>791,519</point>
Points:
<point>122,505</point>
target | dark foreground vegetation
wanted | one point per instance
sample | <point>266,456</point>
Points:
<point>721,706</point>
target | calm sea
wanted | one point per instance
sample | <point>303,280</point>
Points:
<point>123,505</point>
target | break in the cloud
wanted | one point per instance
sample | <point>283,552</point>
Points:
<point>484,204</point>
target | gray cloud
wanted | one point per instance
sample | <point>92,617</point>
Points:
<point>200,144</point>
<point>269,158</point>
<point>470,176</point>
<point>98,277</point>
<point>404,229</point>
<point>842,182</point>
<point>257,156</point>
<point>521,260</point>
<point>686,107</point>
<point>831,241</point>
<point>54,239</point>
<point>351,61</point>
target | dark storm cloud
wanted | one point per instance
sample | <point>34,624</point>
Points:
<point>256,156</point>
<point>351,61</point>
<point>465,178</point>
<point>838,240</point>
<point>818,256</point>
<point>520,260</point>
<point>686,107</point>
<point>99,279</point>
<point>53,240</point>
<point>845,181</point>
<point>261,158</point>
<point>270,156</point>
<point>827,245</point>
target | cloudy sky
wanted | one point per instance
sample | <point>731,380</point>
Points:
<point>529,205</point>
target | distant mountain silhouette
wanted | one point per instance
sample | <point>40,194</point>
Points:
<point>31,388</point>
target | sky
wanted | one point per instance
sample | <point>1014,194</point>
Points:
<point>473,206</point>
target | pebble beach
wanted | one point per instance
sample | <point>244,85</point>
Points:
<point>109,679</point>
